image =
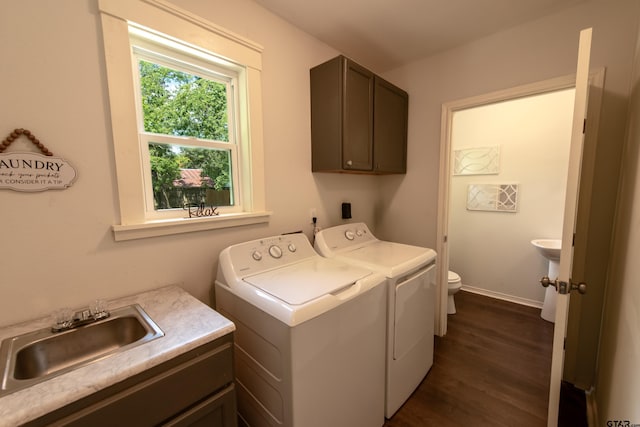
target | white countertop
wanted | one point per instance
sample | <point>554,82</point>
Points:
<point>186,322</point>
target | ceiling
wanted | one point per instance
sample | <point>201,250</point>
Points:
<point>383,34</point>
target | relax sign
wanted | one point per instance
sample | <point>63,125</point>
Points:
<point>34,172</point>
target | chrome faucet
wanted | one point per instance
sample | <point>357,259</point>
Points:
<point>65,320</point>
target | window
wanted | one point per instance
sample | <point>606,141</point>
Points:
<point>186,127</point>
<point>181,96</point>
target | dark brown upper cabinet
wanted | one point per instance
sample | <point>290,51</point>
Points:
<point>358,120</point>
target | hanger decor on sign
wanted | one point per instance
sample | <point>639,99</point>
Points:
<point>30,171</point>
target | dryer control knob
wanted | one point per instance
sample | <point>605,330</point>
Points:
<point>292,247</point>
<point>256,255</point>
<point>349,235</point>
<point>359,232</point>
<point>275,251</point>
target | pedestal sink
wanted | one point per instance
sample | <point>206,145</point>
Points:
<point>550,249</point>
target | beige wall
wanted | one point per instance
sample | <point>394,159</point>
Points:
<point>618,384</point>
<point>528,53</point>
<point>57,246</point>
<point>492,250</point>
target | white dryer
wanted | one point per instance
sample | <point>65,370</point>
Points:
<point>410,272</point>
<point>310,334</point>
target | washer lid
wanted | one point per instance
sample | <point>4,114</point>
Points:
<point>307,280</point>
<point>390,258</point>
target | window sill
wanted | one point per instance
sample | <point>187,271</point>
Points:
<point>186,225</point>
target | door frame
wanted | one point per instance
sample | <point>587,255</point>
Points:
<point>596,80</point>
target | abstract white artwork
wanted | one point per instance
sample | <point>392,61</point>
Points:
<point>492,197</point>
<point>477,161</point>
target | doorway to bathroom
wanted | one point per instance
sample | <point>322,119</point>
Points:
<point>507,187</point>
<point>529,135</point>
<point>490,196</point>
<point>494,191</point>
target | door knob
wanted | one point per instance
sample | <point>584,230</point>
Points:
<point>545,282</point>
<point>564,287</point>
<point>581,287</point>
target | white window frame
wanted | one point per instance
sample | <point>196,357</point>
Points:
<point>156,49</point>
<point>201,37</point>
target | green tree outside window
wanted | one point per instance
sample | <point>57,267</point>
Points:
<point>182,104</point>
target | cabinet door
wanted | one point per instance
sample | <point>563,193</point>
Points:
<point>357,144</point>
<point>390,128</point>
<point>327,96</point>
<point>217,411</point>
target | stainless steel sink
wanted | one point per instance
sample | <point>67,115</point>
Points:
<point>37,356</point>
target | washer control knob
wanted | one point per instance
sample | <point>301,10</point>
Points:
<point>275,251</point>
<point>359,232</point>
<point>292,247</point>
<point>256,255</point>
<point>349,235</point>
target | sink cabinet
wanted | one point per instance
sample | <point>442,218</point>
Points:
<point>358,120</point>
<point>193,389</point>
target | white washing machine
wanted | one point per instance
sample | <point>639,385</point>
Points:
<point>310,334</point>
<point>410,272</point>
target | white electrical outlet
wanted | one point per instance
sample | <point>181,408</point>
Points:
<point>312,213</point>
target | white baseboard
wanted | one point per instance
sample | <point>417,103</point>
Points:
<point>505,297</point>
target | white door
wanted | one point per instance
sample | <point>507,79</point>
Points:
<point>571,202</point>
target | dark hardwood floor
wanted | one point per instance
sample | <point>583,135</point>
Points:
<point>491,369</point>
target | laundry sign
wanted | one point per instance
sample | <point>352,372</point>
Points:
<point>30,171</point>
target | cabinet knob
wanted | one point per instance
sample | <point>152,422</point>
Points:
<point>349,163</point>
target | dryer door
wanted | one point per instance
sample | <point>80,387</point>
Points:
<point>414,310</point>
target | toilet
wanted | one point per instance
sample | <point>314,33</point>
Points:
<point>455,283</point>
